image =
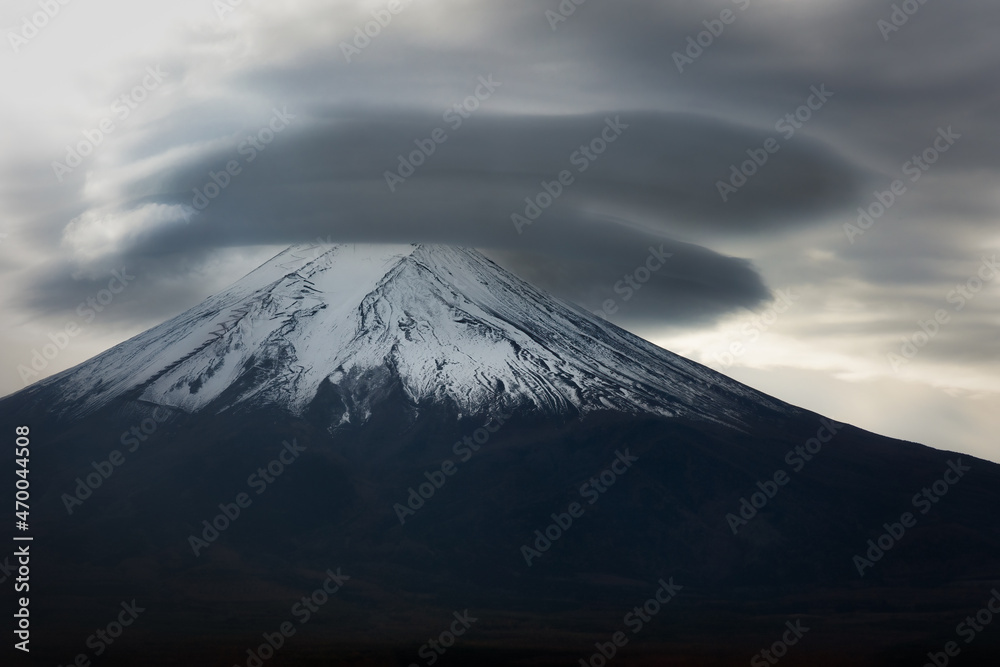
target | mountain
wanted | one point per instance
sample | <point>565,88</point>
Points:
<point>446,324</point>
<point>406,455</point>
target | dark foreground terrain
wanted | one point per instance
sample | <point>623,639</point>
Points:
<point>668,487</point>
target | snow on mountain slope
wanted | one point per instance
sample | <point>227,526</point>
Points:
<point>445,323</point>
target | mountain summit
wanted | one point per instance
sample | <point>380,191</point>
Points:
<point>445,324</point>
<point>453,443</point>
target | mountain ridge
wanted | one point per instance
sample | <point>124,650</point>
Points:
<point>447,322</point>
<point>378,361</point>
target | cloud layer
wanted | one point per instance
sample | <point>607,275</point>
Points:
<point>738,137</point>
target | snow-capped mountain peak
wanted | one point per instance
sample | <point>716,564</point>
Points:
<point>446,324</point>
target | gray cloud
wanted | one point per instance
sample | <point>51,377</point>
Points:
<point>324,175</point>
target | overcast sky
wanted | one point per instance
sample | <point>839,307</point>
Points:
<point>739,137</point>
